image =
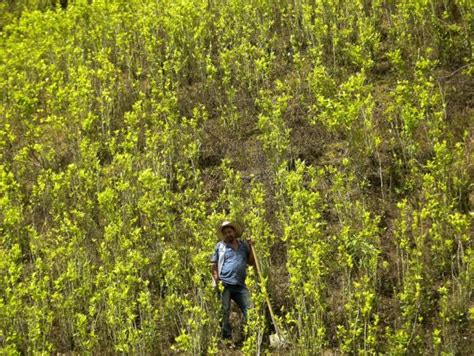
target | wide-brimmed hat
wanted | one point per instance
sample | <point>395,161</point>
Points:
<point>236,226</point>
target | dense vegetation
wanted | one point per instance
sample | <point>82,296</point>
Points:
<point>340,133</point>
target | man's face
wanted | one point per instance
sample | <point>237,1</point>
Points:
<point>229,234</point>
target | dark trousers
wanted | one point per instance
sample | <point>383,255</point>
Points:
<point>241,296</point>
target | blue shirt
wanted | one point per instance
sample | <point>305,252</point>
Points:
<point>234,269</point>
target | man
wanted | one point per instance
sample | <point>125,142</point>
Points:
<point>229,267</point>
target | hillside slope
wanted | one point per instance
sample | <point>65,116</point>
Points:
<point>339,134</point>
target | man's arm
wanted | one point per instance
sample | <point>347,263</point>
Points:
<point>214,269</point>
<point>214,273</point>
<point>251,258</point>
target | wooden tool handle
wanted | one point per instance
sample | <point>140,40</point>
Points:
<point>259,272</point>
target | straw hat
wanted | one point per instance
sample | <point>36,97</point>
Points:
<point>234,225</point>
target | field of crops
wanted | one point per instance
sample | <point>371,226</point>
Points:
<point>340,134</point>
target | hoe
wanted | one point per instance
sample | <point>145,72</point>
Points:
<point>276,340</point>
